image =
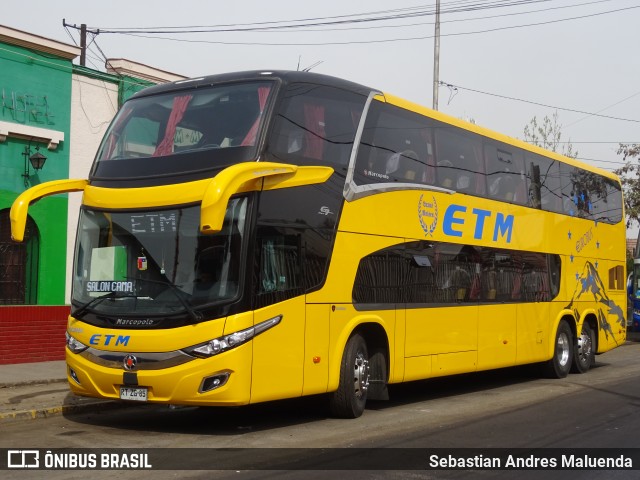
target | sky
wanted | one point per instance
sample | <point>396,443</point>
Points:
<point>504,61</point>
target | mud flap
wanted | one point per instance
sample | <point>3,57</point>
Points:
<point>378,376</point>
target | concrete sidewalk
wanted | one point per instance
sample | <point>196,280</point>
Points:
<point>39,390</point>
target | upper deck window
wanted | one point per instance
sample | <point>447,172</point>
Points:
<point>315,125</point>
<point>396,146</point>
<point>184,131</point>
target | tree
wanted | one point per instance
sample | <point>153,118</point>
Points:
<point>548,135</point>
<point>630,178</point>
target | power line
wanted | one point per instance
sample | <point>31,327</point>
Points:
<point>539,104</point>
<point>421,24</point>
<point>606,108</point>
<point>265,27</point>
<point>377,16</point>
<point>355,42</point>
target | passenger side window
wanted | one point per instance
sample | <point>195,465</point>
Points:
<point>544,183</point>
<point>577,186</point>
<point>607,204</point>
<point>422,273</point>
<point>459,157</point>
<point>396,146</point>
<point>505,174</point>
<point>315,125</point>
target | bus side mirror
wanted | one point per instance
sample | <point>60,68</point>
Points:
<point>251,176</point>
<point>20,207</point>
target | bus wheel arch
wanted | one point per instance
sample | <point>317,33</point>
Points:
<point>560,363</point>
<point>585,346</point>
<point>363,371</point>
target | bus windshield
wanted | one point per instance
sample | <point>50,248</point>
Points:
<point>156,263</point>
<point>185,130</point>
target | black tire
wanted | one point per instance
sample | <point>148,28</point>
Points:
<point>351,397</point>
<point>560,364</point>
<point>584,354</point>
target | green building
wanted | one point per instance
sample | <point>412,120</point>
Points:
<point>53,115</point>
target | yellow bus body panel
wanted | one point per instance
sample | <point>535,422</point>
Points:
<point>316,349</point>
<point>277,370</point>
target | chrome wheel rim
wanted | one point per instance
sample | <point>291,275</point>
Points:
<point>563,349</point>
<point>585,346</point>
<point>360,375</point>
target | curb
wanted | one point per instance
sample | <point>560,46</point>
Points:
<point>94,405</point>
<point>26,383</point>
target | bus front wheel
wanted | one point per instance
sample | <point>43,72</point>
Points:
<point>351,397</point>
<point>584,350</point>
<point>560,363</point>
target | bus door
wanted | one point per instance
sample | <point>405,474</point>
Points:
<point>501,288</point>
<point>444,335</point>
<point>278,296</point>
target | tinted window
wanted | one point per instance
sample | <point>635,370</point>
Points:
<point>315,125</point>
<point>505,174</point>
<point>544,183</point>
<point>182,132</point>
<point>401,146</point>
<point>418,273</point>
<point>607,203</point>
<point>459,157</point>
<point>294,237</point>
<point>575,186</point>
<point>589,195</point>
<point>396,146</point>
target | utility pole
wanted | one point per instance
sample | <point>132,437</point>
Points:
<point>436,57</point>
<point>83,44</point>
<point>83,40</point>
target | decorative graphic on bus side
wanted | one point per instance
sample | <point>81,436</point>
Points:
<point>590,282</point>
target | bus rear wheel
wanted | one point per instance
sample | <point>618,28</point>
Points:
<point>560,364</point>
<point>584,350</point>
<point>351,397</point>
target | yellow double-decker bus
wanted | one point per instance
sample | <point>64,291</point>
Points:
<point>265,235</point>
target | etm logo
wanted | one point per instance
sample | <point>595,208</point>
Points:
<point>456,216</point>
<point>105,340</point>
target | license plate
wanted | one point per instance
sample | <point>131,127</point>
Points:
<point>138,394</point>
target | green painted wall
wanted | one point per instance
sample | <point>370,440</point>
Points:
<point>35,90</point>
<point>130,86</point>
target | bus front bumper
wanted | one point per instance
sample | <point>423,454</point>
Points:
<point>223,379</point>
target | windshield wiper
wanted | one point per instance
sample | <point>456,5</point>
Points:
<point>196,316</point>
<point>80,312</point>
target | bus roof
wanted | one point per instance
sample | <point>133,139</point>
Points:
<point>288,76</point>
<point>285,76</point>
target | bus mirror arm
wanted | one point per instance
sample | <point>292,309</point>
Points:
<point>252,176</point>
<point>20,207</point>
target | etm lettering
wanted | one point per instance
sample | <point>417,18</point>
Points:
<point>456,216</point>
<point>105,340</point>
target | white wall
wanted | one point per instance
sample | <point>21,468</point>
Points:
<point>93,104</point>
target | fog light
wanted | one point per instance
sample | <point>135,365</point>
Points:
<point>213,382</point>
<point>74,375</point>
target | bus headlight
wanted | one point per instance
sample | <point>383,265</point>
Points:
<point>222,344</point>
<point>74,345</point>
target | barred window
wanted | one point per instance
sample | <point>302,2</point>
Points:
<point>18,264</point>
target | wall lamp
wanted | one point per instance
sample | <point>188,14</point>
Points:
<point>37,162</point>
